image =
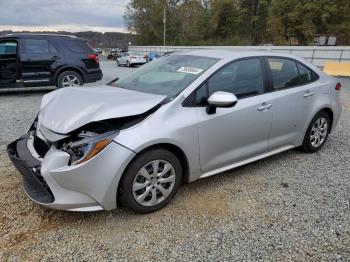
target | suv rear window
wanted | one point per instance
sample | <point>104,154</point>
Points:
<point>39,46</point>
<point>36,46</point>
<point>78,46</point>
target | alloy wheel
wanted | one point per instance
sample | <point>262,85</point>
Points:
<point>153,183</point>
<point>319,132</point>
<point>70,80</point>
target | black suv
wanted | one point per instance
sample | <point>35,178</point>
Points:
<point>37,60</point>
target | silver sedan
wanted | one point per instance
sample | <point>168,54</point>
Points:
<point>175,120</point>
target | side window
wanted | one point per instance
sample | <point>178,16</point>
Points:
<point>8,48</point>
<point>284,73</point>
<point>36,46</point>
<point>201,95</point>
<point>243,78</point>
<point>78,46</point>
<point>53,49</point>
<point>305,75</point>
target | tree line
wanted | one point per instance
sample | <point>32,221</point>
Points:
<point>238,22</point>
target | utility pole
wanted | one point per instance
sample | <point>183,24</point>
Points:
<point>164,22</point>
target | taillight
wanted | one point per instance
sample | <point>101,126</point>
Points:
<point>94,57</point>
<point>338,86</point>
<point>132,57</point>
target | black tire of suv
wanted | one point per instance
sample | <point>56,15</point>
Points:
<point>307,146</point>
<point>62,75</point>
<point>125,190</point>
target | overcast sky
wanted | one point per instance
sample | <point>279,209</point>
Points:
<point>68,15</point>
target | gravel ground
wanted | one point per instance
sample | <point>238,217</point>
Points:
<point>289,207</point>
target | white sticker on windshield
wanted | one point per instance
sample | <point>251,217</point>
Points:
<point>190,70</point>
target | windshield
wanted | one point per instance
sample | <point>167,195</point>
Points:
<point>167,76</point>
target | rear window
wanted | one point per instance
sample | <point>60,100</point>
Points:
<point>36,46</point>
<point>39,46</point>
<point>284,73</point>
<point>306,75</point>
<point>78,46</point>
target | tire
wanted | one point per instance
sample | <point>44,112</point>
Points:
<point>318,129</point>
<point>75,79</point>
<point>139,181</point>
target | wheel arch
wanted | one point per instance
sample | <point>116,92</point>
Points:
<point>176,150</point>
<point>330,113</point>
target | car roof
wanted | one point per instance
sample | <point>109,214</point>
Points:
<point>234,54</point>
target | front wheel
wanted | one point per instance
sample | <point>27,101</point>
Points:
<point>317,133</point>
<point>69,79</point>
<point>151,181</point>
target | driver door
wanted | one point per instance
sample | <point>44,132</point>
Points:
<point>239,132</point>
<point>8,62</point>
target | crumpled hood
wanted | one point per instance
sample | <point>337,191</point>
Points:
<point>71,108</point>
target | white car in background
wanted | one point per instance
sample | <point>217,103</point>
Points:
<point>130,59</point>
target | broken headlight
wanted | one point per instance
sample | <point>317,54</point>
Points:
<point>87,146</point>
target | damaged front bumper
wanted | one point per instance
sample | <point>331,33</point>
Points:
<point>29,166</point>
<point>51,182</point>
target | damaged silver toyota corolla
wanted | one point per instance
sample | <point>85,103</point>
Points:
<point>175,120</point>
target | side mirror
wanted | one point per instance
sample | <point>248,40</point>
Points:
<point>220,99</point>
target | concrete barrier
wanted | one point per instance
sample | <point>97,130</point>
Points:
<point>318,55</point>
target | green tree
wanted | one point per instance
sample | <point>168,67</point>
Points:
<point>237,22</point>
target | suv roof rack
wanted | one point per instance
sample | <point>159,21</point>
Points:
<point>39,34</point>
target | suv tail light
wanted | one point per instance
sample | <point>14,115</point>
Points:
<point>132,57</point>
<point>338,86</point>
<point>94,57</point>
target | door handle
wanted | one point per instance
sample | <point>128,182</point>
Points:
<point>308,94</point>
<point>264,107</point>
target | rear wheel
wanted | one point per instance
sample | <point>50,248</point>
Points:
<point>69,79</point>
<point>317,133</point>
<point>151,181</point>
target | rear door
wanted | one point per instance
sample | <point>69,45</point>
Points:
<point>37,57</point>
<point>8,62</point>
<point>292,96</point>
